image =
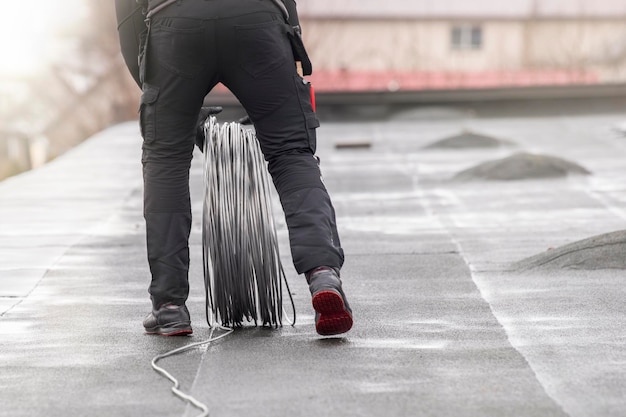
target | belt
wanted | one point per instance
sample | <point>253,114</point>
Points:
<point>158,7</point>
<point>163,4</point>
<point>282,8</point>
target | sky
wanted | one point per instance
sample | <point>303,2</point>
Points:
<point>30,33</point>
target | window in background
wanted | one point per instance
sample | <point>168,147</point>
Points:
<point>467,37</point>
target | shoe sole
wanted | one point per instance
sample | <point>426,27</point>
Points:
<point>169,331</point>
<point>333,318</point>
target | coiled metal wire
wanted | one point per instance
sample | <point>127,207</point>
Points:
<point>243,273</point>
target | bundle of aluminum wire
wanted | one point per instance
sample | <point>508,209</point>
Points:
<point>243,274</point>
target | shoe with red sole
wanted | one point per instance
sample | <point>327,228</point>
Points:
<point>168,320</point>
<point>333,315</point>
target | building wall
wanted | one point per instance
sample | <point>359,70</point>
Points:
<point>408,45</point>
<point>597,45</point>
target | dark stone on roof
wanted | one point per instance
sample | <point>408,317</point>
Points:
<point>521,166</point>
<point>604,251</point>
<point>468,140</point>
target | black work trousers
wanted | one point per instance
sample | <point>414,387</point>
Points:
<point>193,45</point>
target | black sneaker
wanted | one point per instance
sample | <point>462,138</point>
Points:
<point>168,320</point>
<point>332,312</point>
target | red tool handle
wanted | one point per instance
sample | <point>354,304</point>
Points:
<point>312,96</point>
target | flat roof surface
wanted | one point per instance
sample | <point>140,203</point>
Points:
<point>444,323</point>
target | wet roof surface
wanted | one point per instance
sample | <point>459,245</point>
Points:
<point>445,324</point>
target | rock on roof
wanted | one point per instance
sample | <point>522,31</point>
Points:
<point>429,9</point>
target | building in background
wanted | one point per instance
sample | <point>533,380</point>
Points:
<point>76,85</point>
<point>413,45</point>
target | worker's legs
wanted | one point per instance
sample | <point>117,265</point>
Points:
<point>278,102</point>
<point>179,74</point>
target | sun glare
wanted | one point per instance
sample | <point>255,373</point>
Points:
<point>30,32</point>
